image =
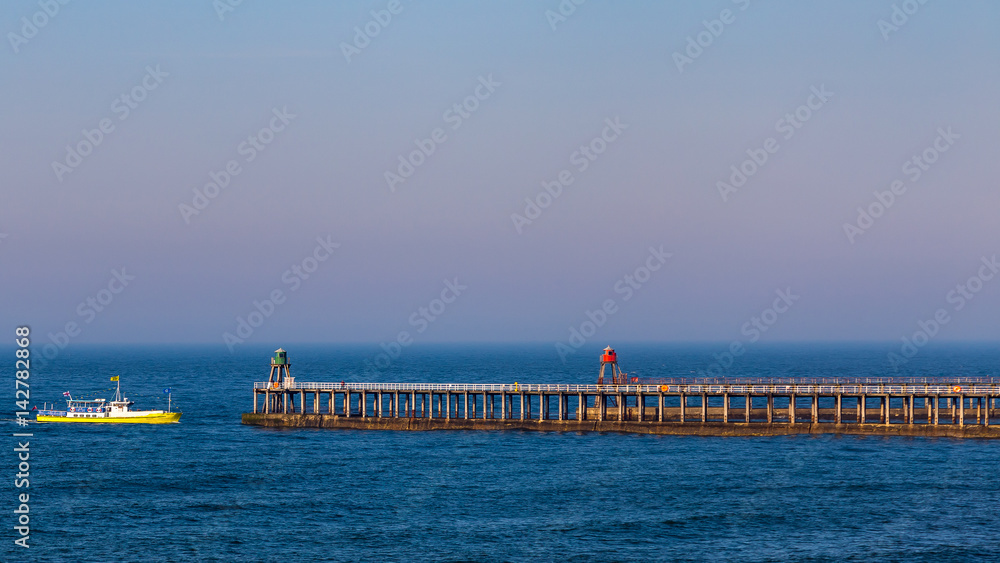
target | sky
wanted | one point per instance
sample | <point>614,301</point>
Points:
<point>376,171</point>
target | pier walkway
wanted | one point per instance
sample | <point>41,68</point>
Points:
<point>766,405</point>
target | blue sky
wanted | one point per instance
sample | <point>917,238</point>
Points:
<point>655,185</point>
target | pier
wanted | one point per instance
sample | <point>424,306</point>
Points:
<point>961,407</point>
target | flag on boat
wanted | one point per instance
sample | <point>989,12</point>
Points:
<point>167,390</point>
<point>66,394</point>
<point>115,378</point>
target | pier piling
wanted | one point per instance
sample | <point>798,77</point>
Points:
<point>909,407</point>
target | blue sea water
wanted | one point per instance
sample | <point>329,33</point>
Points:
<point>211,489</point>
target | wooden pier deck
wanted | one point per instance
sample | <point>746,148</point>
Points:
<point>951,407</point>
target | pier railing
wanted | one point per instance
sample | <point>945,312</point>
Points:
<point>967,386</point>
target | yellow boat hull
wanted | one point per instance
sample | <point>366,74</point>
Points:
<point>159,418</point>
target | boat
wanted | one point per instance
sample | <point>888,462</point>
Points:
<point>117,410</point>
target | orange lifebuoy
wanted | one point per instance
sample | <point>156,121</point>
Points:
<point>956,389</point>
<point>664,388</point>
<point>275,385</point>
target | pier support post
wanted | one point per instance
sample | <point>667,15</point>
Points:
<point>748,404</point>
<point>791,409</point>
<point>255,402</point>
<point>862,409</point>
<point>704,407</point>
<point>683,406</point>
<point>601,401</point>
<point>815,409</point>
<point>660,400</point>
<point>561,405</point>
<point>961,410</point>
<point>285,395</point>
<point>520,406</point>
<point>936,407</point>
<point>986,413</point>
<point>725,407</point>
<point>770,408</point>
<point>839,408</point>
<point>581,407</point>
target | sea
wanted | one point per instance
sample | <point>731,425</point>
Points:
<point>212,489</point>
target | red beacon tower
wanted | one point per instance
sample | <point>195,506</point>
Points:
<point>617,377</point>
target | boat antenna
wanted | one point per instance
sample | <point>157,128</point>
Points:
<point>118,392</point>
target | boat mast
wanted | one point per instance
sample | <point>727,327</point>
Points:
<point>118,392</point>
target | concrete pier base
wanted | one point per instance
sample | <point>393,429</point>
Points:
<point>632,427</point>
